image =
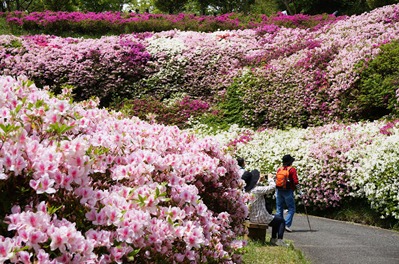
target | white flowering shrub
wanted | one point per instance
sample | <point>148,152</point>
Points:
<point>334,162</point>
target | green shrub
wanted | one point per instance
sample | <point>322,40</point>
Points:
<point>230,109</point>
<point>177,112</point>
<point>379,83</point>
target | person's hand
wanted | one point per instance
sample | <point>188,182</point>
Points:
<point>262,178</point>
<point>270,176</point>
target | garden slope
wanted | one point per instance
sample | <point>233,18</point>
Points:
<point>302,76</point>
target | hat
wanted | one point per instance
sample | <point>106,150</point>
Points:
<point>251,179</point>
<point>287,160</point>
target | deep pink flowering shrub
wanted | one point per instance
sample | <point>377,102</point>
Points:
<point>118,23</point>
<point>243,138</point>
<point>102,68</point>
<point>81,184</point>
<point>388,127</point>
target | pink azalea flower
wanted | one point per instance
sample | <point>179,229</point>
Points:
<point>6,249</point>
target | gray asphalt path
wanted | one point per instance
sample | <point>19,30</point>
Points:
<point>336,242</point>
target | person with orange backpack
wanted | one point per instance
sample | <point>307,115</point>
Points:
<point>286,182</point>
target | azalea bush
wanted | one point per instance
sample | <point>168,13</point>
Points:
<point>285,76</point>
<point>336,163</point>
<point>103,68</point>
<point>82,184</point>
<point>309,83</point>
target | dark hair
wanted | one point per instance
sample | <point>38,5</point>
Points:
<point>240,162</point>
<point>251,179</point>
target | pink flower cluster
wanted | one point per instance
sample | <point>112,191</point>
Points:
<point>94,67</point>
<point>288,76</point>
<point>308,74</point>
<point>96,187</point>
<point>326,185</point>
<point>117,21</point>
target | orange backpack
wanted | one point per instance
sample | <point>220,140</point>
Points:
<point>282,177</point>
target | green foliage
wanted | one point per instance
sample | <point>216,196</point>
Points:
<point>372,4</point>
<point>344,7</point>
<point>56,5</point>
<point>378,84</point>
<point>267,7</point>
<point>170,6</point>
<point>352,7</point>
<point>250,82</point>
<point>101,5</point>
<point>4,27</point>
<point>232,107</point>
<point>177,112</point>
<point>230,110</point>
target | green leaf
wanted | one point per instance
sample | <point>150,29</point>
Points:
<point>8,128</point>
<point>132,254</point>
<point>59,128</point>
<point>52,209</point>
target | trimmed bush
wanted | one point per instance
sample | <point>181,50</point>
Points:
<point>378,84</point>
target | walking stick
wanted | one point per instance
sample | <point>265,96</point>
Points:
<point>306,211</point>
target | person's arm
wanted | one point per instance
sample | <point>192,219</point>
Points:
<point>265,189</point>
<point>294,176</point>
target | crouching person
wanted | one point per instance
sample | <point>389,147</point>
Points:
<point>257,208</point>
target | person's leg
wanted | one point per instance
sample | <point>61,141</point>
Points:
<point>290,201</point>
<point>275,227</point>
<point>279,202</point>
<point>280,222</point>
<point>278,227</point>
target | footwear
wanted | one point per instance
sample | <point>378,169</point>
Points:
<point>288,229</point>
<point>281,243</point>
<point>273,241</point>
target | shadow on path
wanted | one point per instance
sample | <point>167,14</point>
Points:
<point>336,242</point>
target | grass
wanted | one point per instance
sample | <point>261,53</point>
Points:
<point>258,253</point>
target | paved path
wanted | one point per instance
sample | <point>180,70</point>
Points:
<point>336,242</point>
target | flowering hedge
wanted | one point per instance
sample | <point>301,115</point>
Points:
<point>335,162</point>
<point>115,23</point>
<point>80,184</point>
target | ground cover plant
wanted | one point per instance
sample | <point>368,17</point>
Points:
<point>81,184</point>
